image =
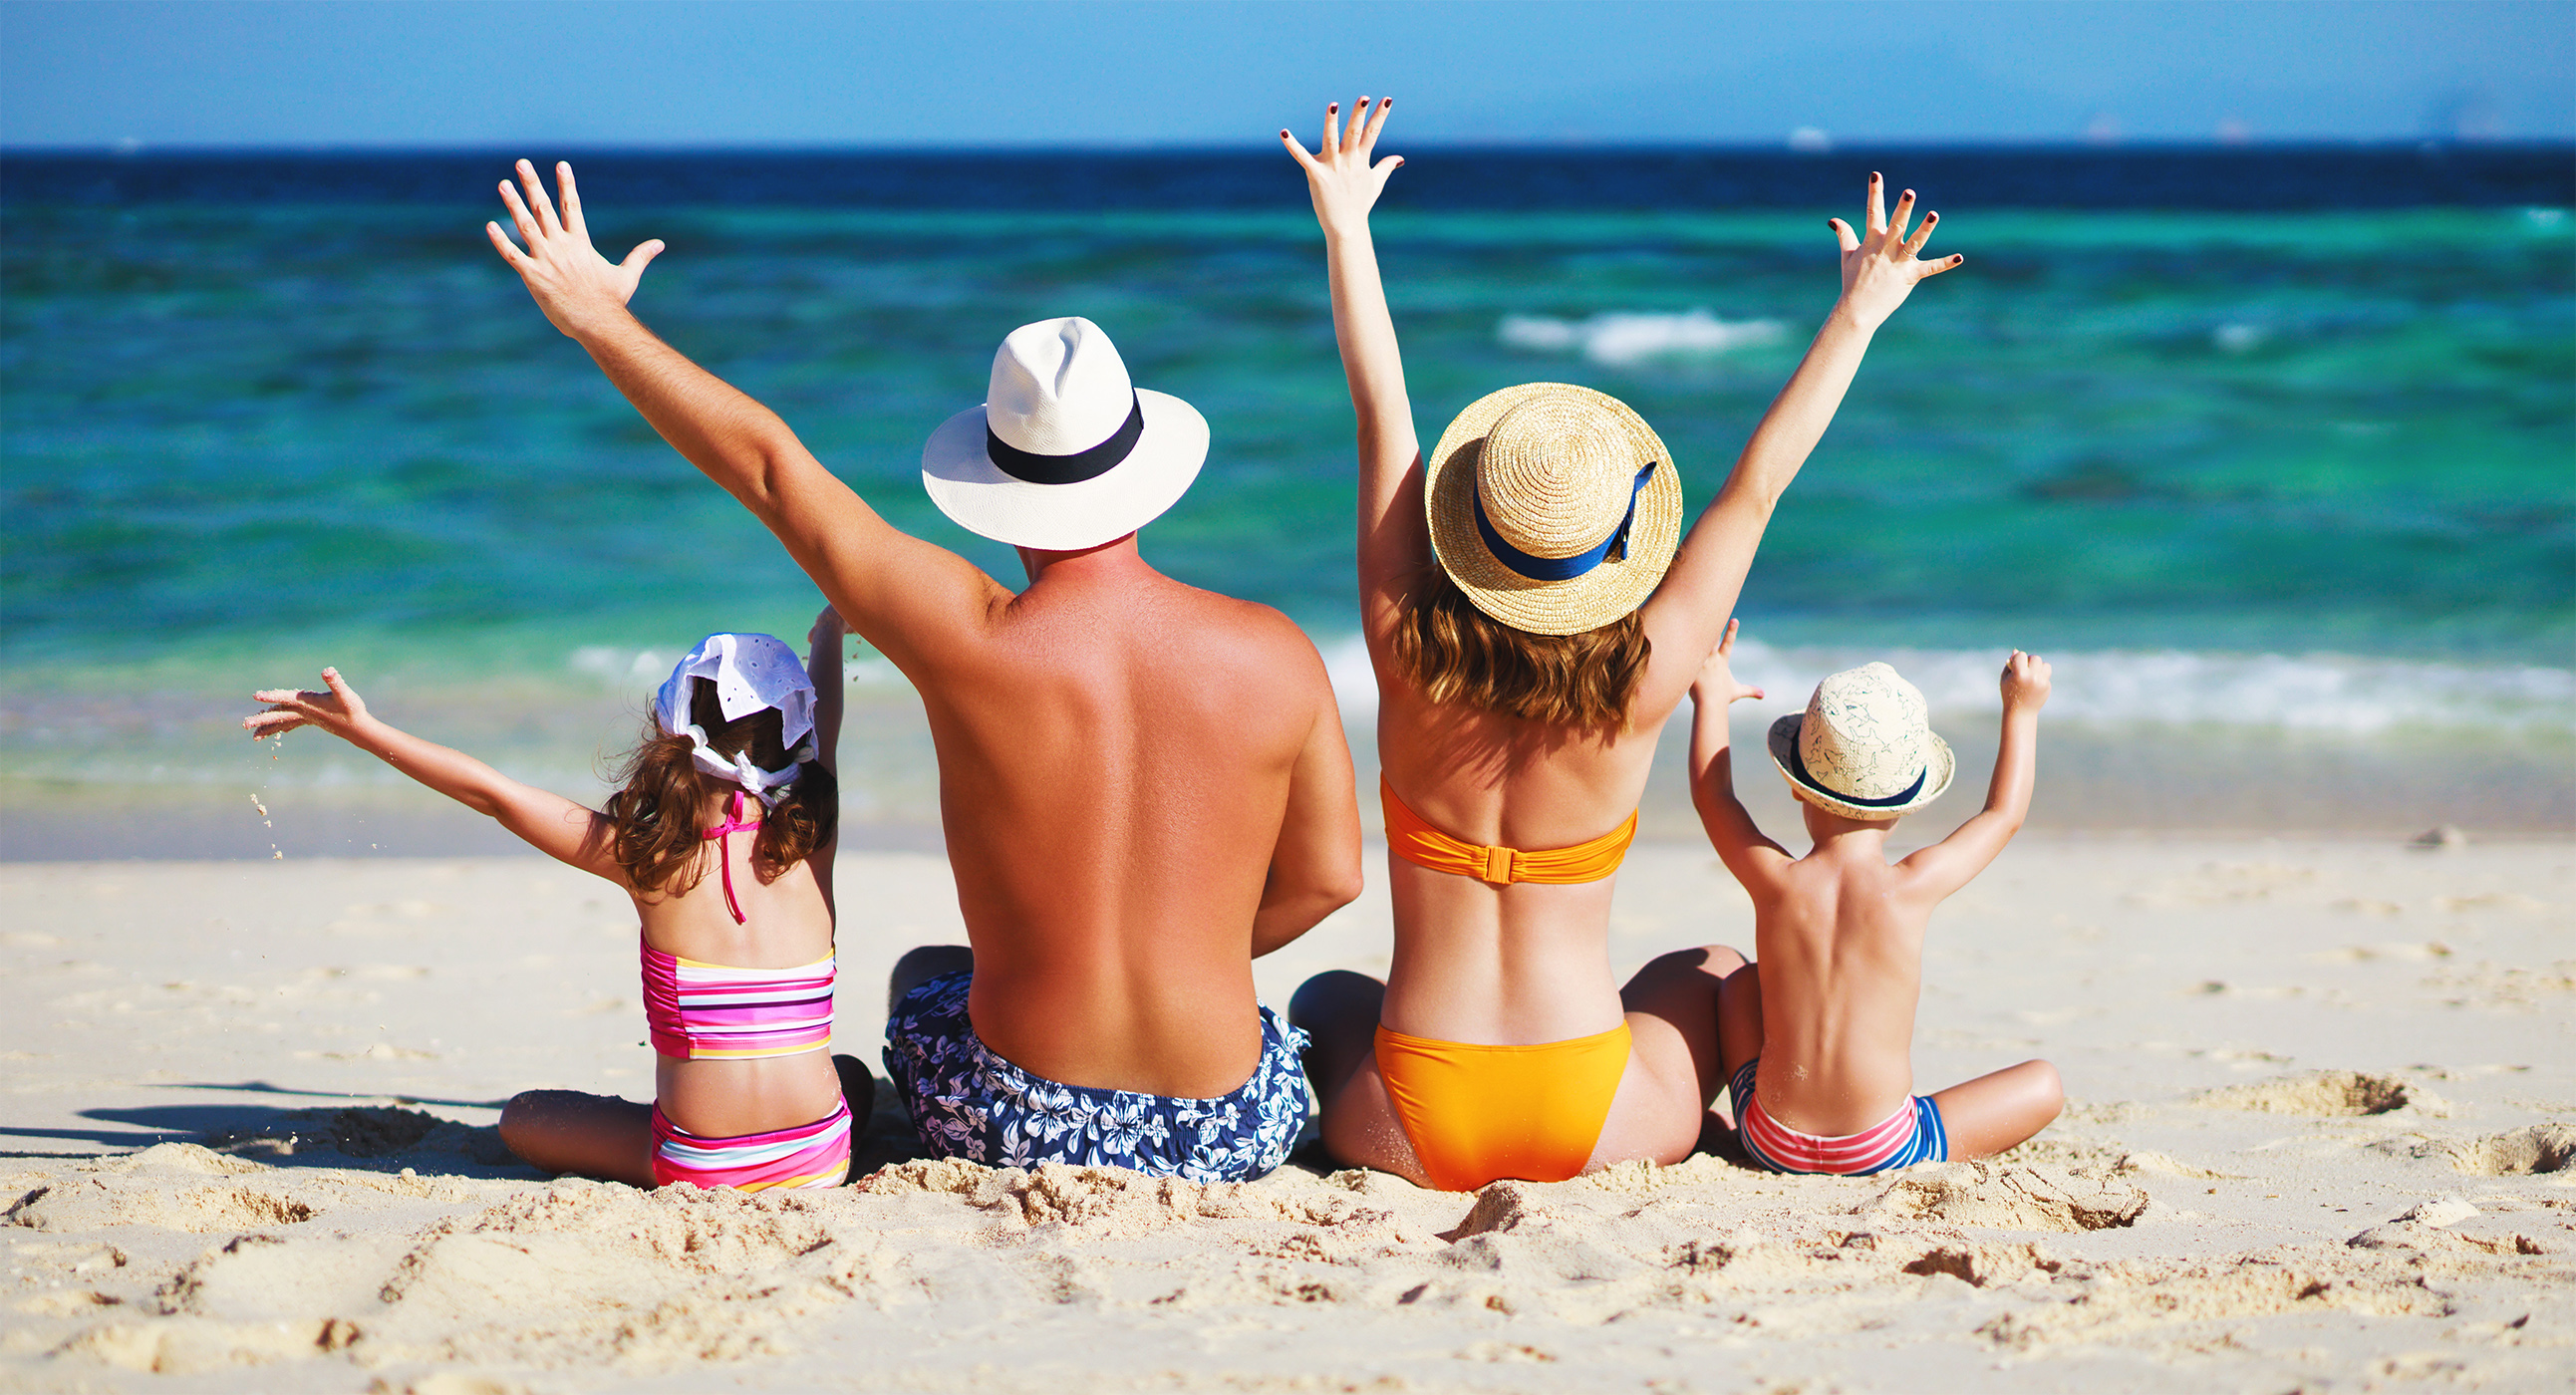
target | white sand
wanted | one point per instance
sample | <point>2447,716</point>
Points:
<point>2323,1138</point>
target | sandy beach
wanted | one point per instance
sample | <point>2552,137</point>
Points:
<point>2323,1111</point>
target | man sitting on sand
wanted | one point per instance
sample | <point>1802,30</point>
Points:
<point>1144,785</point>
<point>1815,1037</point>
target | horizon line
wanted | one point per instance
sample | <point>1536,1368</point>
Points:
<point>2061,145</point>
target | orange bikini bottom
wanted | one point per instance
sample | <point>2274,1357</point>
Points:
<point>1476,1113</point>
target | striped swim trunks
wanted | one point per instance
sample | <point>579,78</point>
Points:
<point>1913,1134</point>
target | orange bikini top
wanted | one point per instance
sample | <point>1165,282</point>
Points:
<point>1417,842</point>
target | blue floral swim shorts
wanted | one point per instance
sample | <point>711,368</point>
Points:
<point>967,1102</point>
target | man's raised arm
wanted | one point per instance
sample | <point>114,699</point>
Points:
<point>906,596</point>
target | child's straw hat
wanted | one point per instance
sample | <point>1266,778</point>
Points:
<point>1863,748</point>
<point>1554,507</point>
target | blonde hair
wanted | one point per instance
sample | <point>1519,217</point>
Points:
<point>1456,653</point>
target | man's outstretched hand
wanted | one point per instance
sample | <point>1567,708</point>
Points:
<point>572,283</point>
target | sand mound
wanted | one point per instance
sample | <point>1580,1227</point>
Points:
<point>1112,1201</point>
<point>1985,1265</point>
<point>2539,1148</point>
<point>378,1132</point>
<point>1986,1194</point>
<point>2126,1298</point>
<point>2322,1094</point>
<point>585,1274</point>
<point>191,1346</point>
<point>178,1157</point>
<point>87,1203</point>
<point>1502,1206</point>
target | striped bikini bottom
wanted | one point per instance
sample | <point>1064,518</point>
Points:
<point>1913,1134</point>
<point>808,1155</point>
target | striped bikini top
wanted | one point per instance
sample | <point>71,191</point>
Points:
<point>704,1012</point>
<point>1413,838</point>
<point>714,1012</point>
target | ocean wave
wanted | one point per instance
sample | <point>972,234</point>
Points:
<point>2334,693</point>
<point>1621,337</point>
<point>623,669</point>
<point>2323,693</point>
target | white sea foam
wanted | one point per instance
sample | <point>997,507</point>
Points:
<point>1624,337</point>
<point>2326,693</point>
<point>2307,692</point>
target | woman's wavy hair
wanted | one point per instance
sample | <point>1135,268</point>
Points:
<point>1456,653</point>
<point>656,812</point>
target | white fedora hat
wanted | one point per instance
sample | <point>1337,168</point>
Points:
<point>1065,452</point>
<point>1863,748</point>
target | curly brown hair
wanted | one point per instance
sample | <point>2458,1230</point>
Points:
<point>1456,653</point>
<point>656,812</point>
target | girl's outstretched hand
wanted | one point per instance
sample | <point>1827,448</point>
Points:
<point>1716,682</point>
<point>1339,176</point>
<point>339,711</point>
<point>566,275</point>
<point>1880,268</point>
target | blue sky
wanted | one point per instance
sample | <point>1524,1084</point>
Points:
<point>95,72</point>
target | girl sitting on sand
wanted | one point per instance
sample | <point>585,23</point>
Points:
<point>1534,613</point>
<point>738,965</point>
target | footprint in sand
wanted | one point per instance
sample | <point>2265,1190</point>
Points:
<point>2515,1153</point>
<point>1982,1193</point>
<point>2325,1094</point>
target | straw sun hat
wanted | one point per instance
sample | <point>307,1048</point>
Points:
<point>1554,507</point>
<point>1065,452</point>
<point>1863,748</point>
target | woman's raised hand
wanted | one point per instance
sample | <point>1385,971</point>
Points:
<point>1339,176</point>
<point>339,711</point>
<point>1880,268</point>
<point>566,275</point>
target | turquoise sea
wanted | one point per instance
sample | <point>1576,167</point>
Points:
<point>2298,483</point>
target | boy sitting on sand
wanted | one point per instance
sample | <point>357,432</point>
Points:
<point>1814,1037</point>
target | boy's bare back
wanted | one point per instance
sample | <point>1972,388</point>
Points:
<point>1838,938</point>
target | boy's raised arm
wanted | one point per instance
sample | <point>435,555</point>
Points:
<point>1394,540</point>
<point>1731,830</point>
<point>911,598</point>
<point>1952,863</point>
<point>1879,269</point>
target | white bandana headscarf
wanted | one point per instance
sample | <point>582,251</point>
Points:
<point>751,672</point>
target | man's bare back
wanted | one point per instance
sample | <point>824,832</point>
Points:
<point>1117,765</point>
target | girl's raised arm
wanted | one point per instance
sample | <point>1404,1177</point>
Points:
<point>1394,541</point>
<point>823,668</point>
<point>550,823</point>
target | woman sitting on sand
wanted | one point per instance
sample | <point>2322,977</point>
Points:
<point>1533,616</point>
<point>737,966</point>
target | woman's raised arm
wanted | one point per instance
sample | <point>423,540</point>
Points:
<point>1686,613</point>
<point>1393,539</point>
